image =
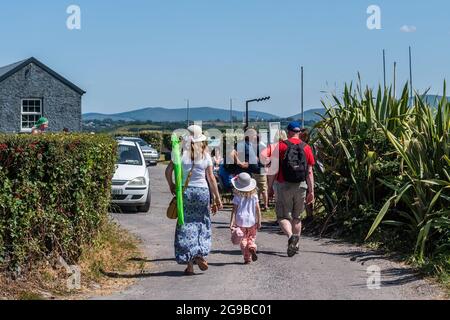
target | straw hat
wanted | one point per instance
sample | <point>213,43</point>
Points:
<point>196,134</point>
<point>244,183</point>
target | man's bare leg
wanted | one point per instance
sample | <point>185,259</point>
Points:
<point>266,199</point>
<point>297,227</point>
<point>286,226</point>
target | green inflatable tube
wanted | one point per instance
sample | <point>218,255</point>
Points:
<point>176,159</point>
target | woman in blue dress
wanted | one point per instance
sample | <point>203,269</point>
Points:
<point>193,239</point>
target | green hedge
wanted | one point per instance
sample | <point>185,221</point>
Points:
<point>159,140</point>
<point>152,137</point>
<point>54,195</point>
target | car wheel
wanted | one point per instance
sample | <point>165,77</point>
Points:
<point>146,207</point>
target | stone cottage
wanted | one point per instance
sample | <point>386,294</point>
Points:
<point>29,90</point>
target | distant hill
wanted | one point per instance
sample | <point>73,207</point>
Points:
<point>100,116</point>
<point>158,114</point>
<point>310,115</point>
<point>434,100</point>
<point>174,115</point>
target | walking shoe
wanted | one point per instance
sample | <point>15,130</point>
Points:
<point>254,256</point>
<point>292,246</point>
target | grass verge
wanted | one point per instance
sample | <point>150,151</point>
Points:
<point>114,250</point>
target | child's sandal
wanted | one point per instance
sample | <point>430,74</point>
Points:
<point>254,255</point>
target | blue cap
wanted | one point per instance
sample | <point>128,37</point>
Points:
<point>294,126</point>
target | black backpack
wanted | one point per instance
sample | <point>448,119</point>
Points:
<point>294,164</point>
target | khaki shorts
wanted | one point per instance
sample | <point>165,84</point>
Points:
<point>261,182</point>
<point>290,200</point>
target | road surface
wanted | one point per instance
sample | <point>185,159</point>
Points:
<point>324,269</point>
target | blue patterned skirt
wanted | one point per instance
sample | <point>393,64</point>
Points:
<point>193,239</point>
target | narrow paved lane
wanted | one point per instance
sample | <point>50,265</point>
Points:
<point>324,269</point>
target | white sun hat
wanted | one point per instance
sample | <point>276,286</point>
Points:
<point>244,182</point>
<point>196,134</point>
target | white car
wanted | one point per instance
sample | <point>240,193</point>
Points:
<point>131,181</point>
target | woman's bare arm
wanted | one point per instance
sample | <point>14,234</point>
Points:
<point>168,174</point>
<point>214,189</point>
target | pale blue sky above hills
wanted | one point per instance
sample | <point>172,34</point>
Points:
<point>144,53</point>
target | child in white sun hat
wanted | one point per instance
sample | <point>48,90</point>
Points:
<point>246,215</point>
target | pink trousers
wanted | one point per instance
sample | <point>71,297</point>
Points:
<point>248,242</point>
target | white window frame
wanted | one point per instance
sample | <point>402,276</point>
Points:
<point>22,113</point>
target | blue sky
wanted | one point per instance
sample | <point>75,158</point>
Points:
<point>141,53</point>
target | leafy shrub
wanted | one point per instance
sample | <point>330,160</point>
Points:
<point>54,194</point>
<point>167,141</point>
<point>154,138</point>
<point>159,140</point>
<point>385,170</point>
<point>125,134</point>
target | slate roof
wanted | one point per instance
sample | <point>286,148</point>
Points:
<point>11,69</point>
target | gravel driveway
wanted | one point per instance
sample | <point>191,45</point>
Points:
<point>324,269</point>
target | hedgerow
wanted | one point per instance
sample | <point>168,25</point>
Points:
<point>157,139</point>
<point>54,195</point>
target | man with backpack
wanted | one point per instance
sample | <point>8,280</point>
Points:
<point>295,184</point>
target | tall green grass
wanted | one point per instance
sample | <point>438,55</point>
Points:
<point>386,170</point>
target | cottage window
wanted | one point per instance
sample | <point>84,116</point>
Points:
<point>31,112</point>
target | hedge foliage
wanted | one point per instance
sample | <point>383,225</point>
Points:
<point>54,195</point>
<point>157,139</point>
<point>154,138</point>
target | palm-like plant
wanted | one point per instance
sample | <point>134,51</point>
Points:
<point>375,150</point>
<point>355,152</point>
<point>423,187</point>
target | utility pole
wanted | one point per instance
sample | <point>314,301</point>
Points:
<point>187,112</point>
<point>302,92</point>
<point>384,68</point>
<point>231,114</point>
<point>410,73</point>
<point>395,79</point>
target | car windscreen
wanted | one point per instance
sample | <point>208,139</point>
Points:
<point>129,155</point>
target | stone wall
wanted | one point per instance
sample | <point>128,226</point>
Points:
<point>60,103</point>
